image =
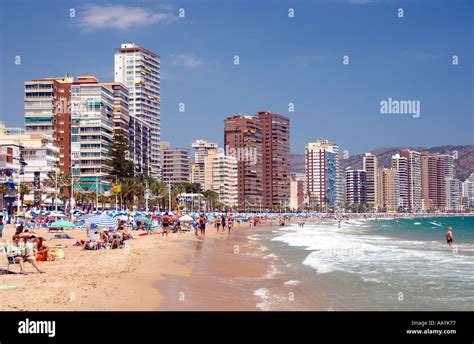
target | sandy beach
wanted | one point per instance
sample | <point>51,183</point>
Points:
<point>151,273</point>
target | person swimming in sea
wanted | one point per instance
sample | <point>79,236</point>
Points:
<point>449,237</point>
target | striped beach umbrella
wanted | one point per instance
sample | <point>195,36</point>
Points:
<point>102,221</point>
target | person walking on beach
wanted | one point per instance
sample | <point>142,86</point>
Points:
<point>224,222</point>
<point>230,224</point>
<point>202,226</point>
<point>218,223</point>
<point>449,237</point>
<point>165,221</point>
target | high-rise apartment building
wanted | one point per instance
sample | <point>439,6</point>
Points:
<point>201,149</point>
<point>275,159</point>
<point>468,191</point>
<point>415,197</point>
<point>139,146</point>
<point>91,132</point>
<point>297,192</point>
<point>322,173</point>
<point>400,164</point>
<point>370,165</point>
<point>356,186</point>
<point>243,141</point>
<point>121,119</point>
<point>220,175</point>
<point>176,164</point>
<point>453,194</point>
<point>47,111</point>
<point>433,182</point>
<point>139,70</point>
<point>389,189</point>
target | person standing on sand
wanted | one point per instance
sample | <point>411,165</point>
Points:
<point>449,237</point>
<point>218,223</point>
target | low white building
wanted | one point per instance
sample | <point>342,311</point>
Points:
<point>39,155</point>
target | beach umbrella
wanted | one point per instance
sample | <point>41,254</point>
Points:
<point>185,218</point>
<point>102,221</point>
<point>62,223</point>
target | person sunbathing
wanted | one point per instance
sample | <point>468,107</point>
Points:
<point>21,254</point>
<point>116,241</point>
<point>42,249</point>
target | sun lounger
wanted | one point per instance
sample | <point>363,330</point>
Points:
<point>10,259</point>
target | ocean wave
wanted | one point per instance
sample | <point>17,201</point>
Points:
<point>292,282</point>
<point>320,266</point>
<point>272,272</point>
<point>374,280</point>
<point>271,255</point>
<point>264,295</point>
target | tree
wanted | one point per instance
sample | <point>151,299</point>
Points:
<point>191,187</point>
<point>212,198</point>
<point>25,189</point>
<point>121,167</point>
<point>60,181</point>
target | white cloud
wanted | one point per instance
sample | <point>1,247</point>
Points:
<point>186,60</point>
<point>120,17</point>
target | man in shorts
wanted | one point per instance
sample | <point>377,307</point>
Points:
<point>165,221</point>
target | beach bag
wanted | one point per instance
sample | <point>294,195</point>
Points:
<point>55,253</point>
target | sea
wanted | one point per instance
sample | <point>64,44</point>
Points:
<point>364,265</point>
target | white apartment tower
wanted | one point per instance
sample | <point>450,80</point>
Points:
<point>220,175</point>
<point>139,70</point>
<point>201,149</point>
<point>400,165</point>
<point>371,168</point>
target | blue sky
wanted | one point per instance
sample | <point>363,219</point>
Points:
<point>282,60</point>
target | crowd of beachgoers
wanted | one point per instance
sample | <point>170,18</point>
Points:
<point>110,229</point>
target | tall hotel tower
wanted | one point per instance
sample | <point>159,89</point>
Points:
<point>415,195</point>
<point>371,167</point>
<point>322,172</point>
<point>139,70</point>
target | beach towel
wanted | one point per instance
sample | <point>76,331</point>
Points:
<point>62,236</point>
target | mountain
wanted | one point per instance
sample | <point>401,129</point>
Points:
<point>464,165</point>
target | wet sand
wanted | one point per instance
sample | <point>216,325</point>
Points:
<point>232,272</point>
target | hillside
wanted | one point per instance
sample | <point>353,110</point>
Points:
<point>464,164</point>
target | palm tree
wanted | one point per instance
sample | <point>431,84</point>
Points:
<point>59,182</point>
<point>24,190</point>
<point>211,197</point>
